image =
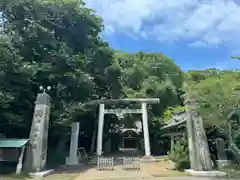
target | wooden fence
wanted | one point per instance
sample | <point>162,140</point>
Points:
<point>105,163</point>
<point>131,163</point>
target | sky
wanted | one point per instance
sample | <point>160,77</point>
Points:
<point>196,34</point>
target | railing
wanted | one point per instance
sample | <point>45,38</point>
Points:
<point>132,163</point>
<point>83,157</point>
<point>105,163</point>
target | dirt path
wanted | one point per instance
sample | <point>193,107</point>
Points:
<point>148,171</point>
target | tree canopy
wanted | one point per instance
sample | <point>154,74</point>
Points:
<point>54,43</point>
<point>217,91</point>
<point>58,44</point>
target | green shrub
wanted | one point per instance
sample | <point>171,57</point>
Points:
<point>179,154</point>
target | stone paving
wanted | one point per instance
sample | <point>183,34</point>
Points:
<point>148,171</point>
<point>161,170</point>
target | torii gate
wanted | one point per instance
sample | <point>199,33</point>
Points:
<point>73,160</point>
<point>120,113</point>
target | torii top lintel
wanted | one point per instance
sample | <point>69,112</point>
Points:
<point>126,101</point>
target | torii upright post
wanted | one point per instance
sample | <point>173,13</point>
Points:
<point>100,129</point>
<point>145,130</point>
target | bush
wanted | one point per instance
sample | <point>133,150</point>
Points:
<point>179,154</point>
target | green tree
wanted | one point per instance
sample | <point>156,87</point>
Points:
<point>151,75</point>
<point>15,96</point>
<point>218,95</point>
<point>56,43</point>
<point>235,57</point>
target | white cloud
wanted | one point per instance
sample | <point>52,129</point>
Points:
<point>202,22</point>
<point>198,44</point>
<point>227,64</point>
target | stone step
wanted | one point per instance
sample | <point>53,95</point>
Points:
<point>148,159</point>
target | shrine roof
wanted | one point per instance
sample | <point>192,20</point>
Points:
<point>12,143</point>
<point>178,119</point>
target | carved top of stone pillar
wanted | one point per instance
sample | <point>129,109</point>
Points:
<point>188,99</point>
<point>43,98</point>
<point>192,103</point>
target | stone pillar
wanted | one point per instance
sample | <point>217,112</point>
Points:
<point>172,144</point>
<point>73,158</point>
<point>197,140</point>
<point>100,129</point>
<point>190,134</point>
<point>37,150</point>
<point>221,153</point>
<point>202,145</point>
<point>145,130</point>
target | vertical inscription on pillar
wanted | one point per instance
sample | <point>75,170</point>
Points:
<point>35,135</point>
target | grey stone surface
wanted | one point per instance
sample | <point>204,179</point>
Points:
<point>43,98</point>
<point>221,152</point>
<point>41,174</point>
<point>73,158</point>
<point>223,163</point>
<point>200,159</point>
<point>206,173</point>
<point>37,150</point>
